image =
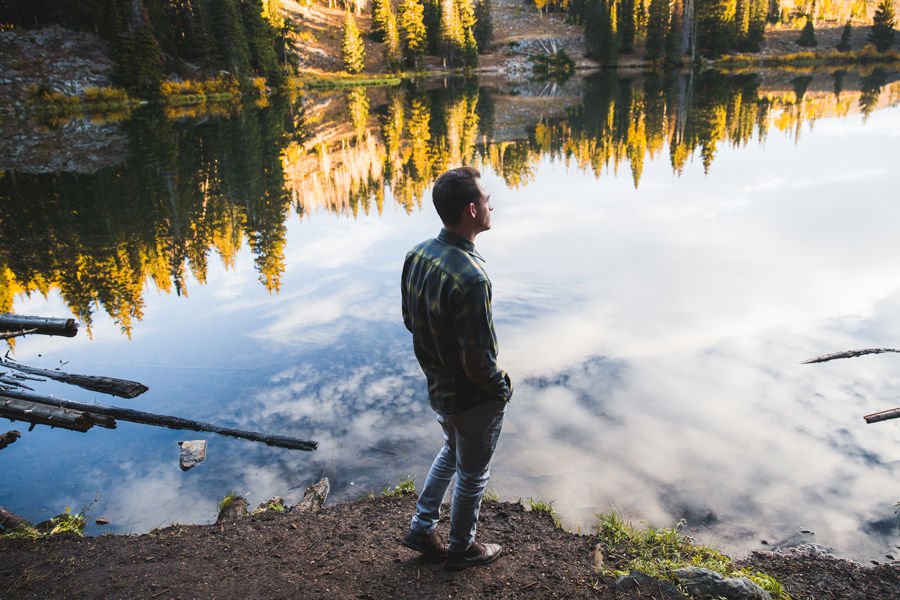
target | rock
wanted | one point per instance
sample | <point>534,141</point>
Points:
<point>235,508</point>
<point>192,454</point>
<point>314,498</point>
<point>703,582</point>
<point>102,521</point>
<point>657,588</point>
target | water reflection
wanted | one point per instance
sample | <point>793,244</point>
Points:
<point>653,332</point>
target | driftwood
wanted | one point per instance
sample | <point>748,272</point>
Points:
<point>14,381</point>
<point>136,416</point>
<point>8,438</point>
<point>105,385</point>
<point>40,414</point>
<point>314,498</point>
<point>847,354</point>
<point>10,521</point>
<point>885,415</point>
<point>14,334</point>
<point>41,325</point>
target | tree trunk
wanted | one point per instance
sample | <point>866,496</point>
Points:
<point>43,325</point>
<point>11,522</point>
<point>136,416</point>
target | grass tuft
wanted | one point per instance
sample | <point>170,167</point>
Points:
<point>658,552</point>
<point>226,501</point>
<point>547,507</point>
<point>406,486</point>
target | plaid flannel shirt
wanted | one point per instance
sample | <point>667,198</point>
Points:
<point>447,307</point>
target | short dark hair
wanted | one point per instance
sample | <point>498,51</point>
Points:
<point>453,191</point>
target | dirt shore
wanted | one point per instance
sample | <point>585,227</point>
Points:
<point>353,550</point>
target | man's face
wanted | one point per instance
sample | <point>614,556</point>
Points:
<point>483,209</point>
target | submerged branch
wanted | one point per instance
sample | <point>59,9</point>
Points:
<point>885,415</point>
<point>14,334</point>
<point>136,416</point>
<point>847,354</point>
<point>105,385</point>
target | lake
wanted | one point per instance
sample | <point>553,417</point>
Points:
<point>665,251</point>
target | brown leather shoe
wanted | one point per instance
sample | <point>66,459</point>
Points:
<point>430,544</point>
<point>477,554</point>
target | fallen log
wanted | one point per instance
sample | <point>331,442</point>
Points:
<point>885,415</point>
<point>10,521</point>
<point>136,416</point>
<point>846,354</point>
<point>105,385</point>
<point>41,325</point>
<point>8,438</point>
<point>40,414</point>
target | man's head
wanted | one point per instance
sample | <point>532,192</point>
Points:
<point>461,199</point>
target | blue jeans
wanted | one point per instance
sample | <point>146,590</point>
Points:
<point>470,439</point>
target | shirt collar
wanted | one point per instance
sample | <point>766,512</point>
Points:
<point>454,239</point>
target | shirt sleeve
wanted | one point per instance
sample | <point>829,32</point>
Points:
<point>478,341</point>
<point>404,302</point>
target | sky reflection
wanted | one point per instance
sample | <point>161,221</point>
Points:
<point>653,336</point>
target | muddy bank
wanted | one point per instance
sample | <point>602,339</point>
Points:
<point>353,550</point>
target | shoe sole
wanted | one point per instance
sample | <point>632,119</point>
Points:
<point>422,549</point>
<point>462,566</point>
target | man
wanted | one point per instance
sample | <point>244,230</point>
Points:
<point>447,307</point>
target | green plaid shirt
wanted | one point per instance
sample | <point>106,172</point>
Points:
<point>447,307</point>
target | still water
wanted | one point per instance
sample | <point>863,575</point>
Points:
<point>664,252</point>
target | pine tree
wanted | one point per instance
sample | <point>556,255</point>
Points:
<point>627,26</point>
<point>261,40</point>
<point>353,51</point>
<point>742,23</point>
<point>484,25</point>
<point>715,25</point>
<point>609,44</point>
<point>807,37</point>
<point>470,50</point>
<point>452,35</point>
<point>592,27</point>
<point>413,41</point>
<point>640,16</point>
<point>391,53</point>
<point>229,35</point>
<point>431,18</point>
<point>657,29</point>
<point>882,32</point>
<point>758,15</point>
<point>844,44</point>
<point>380,10</point>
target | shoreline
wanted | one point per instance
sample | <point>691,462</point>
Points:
<point>352,550</point>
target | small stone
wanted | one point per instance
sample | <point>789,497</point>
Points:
<point>703,582</point>
<point>807,531</point>
<point>192,454</point>
<point>889,556</point>
<point>764,542</point>
<point>102,521</point>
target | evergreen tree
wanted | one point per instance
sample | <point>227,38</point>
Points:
<point>673,38</point>
<point>353,51</point>
<point>380,10</point>
<point>657,29</point>
<point>627,26</point>
<point>742,23</point>
<point>640,16</point>
<point>844,44</point>
<point>882,32</point>
<point>609,42</point>
<point>452,35</point>
<point>470,50</point>
<point>229,35</point>
<point>484,25</point>
<point>391,53</point>
<point>807,37</point>
<point>261,40</point>
<point>757,28</point>
<point>431,18</point>
<point>592,27</point>
<point>413,41</point>
<point>715,25</point>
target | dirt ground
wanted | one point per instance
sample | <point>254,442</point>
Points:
<point>353,551</point>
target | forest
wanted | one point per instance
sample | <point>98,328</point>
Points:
<point>194,188</point>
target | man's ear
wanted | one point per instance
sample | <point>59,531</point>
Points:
<point>472,211</point>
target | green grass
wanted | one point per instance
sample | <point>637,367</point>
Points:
<point>544,506</point>
<point>226,501</point>
<point>406,486</point>
<point>658,552</point>
<point>491,496</point>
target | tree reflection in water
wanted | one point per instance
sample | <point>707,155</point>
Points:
<point>198,181</point>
